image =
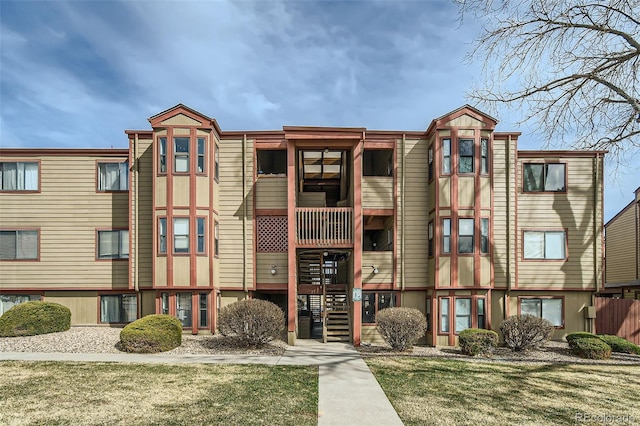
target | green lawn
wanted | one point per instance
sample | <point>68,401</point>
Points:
<point>65,393</point>
<point>444,392</point>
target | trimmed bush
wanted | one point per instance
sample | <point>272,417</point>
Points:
<point>32,318</point>
<point>252,322</point>
<point>401,327</point>
<point>618,344</point>
<point>591,347</point>
<point>476,341</point>
<point>523,332</point>
<point>578,335</point>
<point>151,334</point>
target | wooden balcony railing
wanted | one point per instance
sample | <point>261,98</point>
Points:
<point>324,226</point>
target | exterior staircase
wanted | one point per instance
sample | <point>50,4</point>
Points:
<point>336,316</point>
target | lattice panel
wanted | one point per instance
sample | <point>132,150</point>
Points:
<point>273,234</point>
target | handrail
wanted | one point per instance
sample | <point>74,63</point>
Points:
<point>324,225</point>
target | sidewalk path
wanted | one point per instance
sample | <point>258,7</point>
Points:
<point>348,392</point>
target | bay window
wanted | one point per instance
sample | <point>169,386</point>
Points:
<point>200,247</point>
<point>444,315</point>
<point>484,235</point>
<point>446,156</point>
<point>19,176</point>
<point>446,235</point>
<point>162,235</point>
<point>465,235</point>
<point>484,156</point>
<point>201,155</point>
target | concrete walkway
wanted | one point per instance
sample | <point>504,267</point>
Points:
<point>348,392</point>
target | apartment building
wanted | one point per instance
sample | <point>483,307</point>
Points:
<point>331,224</point>
<point>622,242</point>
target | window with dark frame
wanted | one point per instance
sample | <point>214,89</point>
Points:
<point>162,235</point>
<point>484,156</point>
<point>480,313</point>
<point>181,154</point>
<point>444,315</point>
<point>549,309</point>
<point>272,162</point>
<point>465,156</point>
<point>113,244</point>
<point>19,176</point>
<point>549,177</point>
<point>162,155</point>
<point>446,235</point>
<point>19,244</point>
<point>465,235</point>
<point>201,229</point>
<point>201,155</point>
<point>181,235</point>
<point>204,310</point>
<point>446,156</point>
<point>374,302</point>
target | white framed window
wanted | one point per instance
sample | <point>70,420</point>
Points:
<point>113,176</point>
<point>19,176</point>
<point>181,235</point>
<point>19,244</point>
<point>549,177</point>
<point>465,235</point>
<point>118,308</point>
<point>446,235</point>
<point>547,245</point>
<point>181,154</point>
<point>113,244</point>
<point>549,309</point>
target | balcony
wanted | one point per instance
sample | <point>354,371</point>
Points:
<point>324,226</point>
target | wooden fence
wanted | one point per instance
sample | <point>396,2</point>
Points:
<point>619,317</point>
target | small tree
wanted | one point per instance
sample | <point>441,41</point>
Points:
<point>401,327</point>
<point>251,322</point>
<point>523,332</point>
<point>475,341</point>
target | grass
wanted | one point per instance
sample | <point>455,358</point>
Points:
<point>444,392</point>
<point>66,393</point>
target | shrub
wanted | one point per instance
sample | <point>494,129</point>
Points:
<point>32,318</point>
<point>151,334</point>
<point>252,322</point>
<point>591,347</point>
<point>476,341</point>
<point>401,327</point>
<point>523,332</point>
<point>618,344</point>
<point>578,335</point>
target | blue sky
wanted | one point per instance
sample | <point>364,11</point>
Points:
<point>76,74</point>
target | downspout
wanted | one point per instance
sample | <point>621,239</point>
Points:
<point>402,228</point>
<point>244,216</point>
<point>136,276</point>
<point>505,298</point>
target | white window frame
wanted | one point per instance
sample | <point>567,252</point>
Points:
<point>181,157</point>
<point>529,252</point>
<point>180,238</point>
<point>121,180</point>
<point>19,176</point>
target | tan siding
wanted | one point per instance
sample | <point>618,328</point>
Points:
<point>466,191</point>
<point>161,191</point>
<point>232,208</point>
<point>202,191</point>
<point>161,272</point>
<point>83,305</point>
<point>485,271</point>
<point>271,193</point>
<point>369,334</point>
<point>67,216</point>
<point>383,260</point>
<point>377,192</point>
<point>465,270</point>
<point>147,303</point>
<point>181,131</point>
<point>180,120</point>
<point>504,204</point>
<point>181,271</point>
<point>202,276</point>
<point>181,191</point>
<point>465,121</point>
<point>416,211</point>
<point>621,251</point>
<point>444,192</point>
<point>229,297</point>
<point>264,262</point>
<point>573,211</point>
<point>485,192</point>
<point>444,272</point>
<point>142,257</point>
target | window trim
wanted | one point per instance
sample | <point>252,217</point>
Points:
<point>544,164</point>
<point>446,159</point>
<point>452,312</point>
<point>561,298</point>
<point>544,231</point>
<point>173,237</point>
<point>101,294</point>
<point>473,237</point>
<point>204,236</point>
<point>37,258</point>
<point>160,172</point>
<point>205,168</point>
<point>189,154</point>
<point>446,235</point>
<point>473,156</point>
<point>159,235</point>
<point>24,191</point>
<point>108,191</point>
<point>97,243</point>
